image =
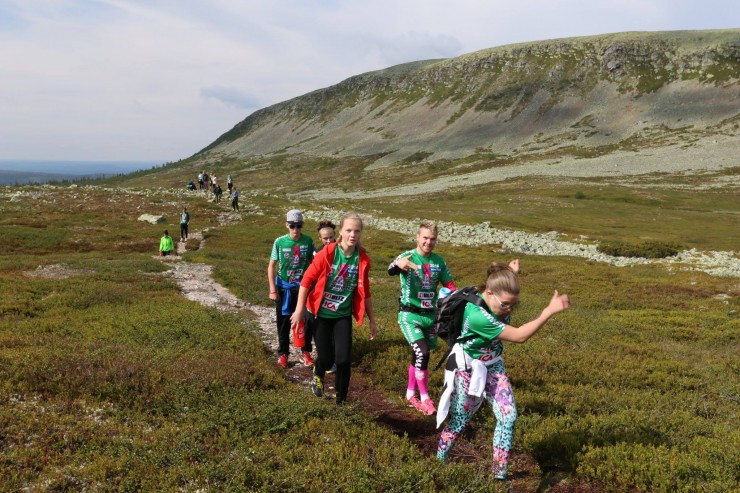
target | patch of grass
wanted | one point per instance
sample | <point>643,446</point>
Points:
<point>646,249</point>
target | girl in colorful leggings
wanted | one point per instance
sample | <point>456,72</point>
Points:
<point>475,368</point>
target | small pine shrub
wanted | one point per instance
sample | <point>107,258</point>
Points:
<point>580,195</point>
<point>647,249</point>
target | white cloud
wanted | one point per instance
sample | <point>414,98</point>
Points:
<point>160,79</point>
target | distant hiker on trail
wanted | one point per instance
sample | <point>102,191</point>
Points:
<point>475,369</point>
<point>420,272</point>
<point>217,192</point>
<point>235,200</point>
<point>291,254</point>
<point>229,183</point>
<point>190,185</point>
<point>166,246</point>
<point>341,271</point>
<point>184,222</point>
<point>201,183</point>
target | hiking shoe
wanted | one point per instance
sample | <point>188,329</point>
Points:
<point>283,361</point>
<point>307,359</point>
<point>427,407</point>
<point>414,402</point>
<point>333,369</point>
<point>317,386</point>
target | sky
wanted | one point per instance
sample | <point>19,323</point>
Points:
<point>158,80</point>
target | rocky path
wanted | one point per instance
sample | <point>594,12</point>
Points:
<point>197,284</point>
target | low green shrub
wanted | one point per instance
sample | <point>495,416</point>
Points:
<point>647,249</point>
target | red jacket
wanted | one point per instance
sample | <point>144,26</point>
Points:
<point>319,272</point>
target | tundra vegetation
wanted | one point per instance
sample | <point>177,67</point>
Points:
<point>110,379</point>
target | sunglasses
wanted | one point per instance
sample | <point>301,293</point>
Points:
<point>295,225</point>
<point>505,306</point>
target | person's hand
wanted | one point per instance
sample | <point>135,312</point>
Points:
<point>274,296</point>
<point>405,264</point>
<point>514,265</point>
<point>558,303</point>
<point>373,330</point>
<point>297,317</point>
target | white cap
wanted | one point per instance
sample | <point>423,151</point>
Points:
<point>294,216</point>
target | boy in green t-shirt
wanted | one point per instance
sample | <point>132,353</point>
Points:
<point>290,257</point>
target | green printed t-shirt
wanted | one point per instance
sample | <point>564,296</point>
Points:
<point>293,257</point>
<point>184,217</point>
<point>340,286</point>
<point>419,287</point>
<point>486,327</point>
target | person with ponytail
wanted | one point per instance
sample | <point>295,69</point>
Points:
<point>475,368</point>
<point>340,275</point>
<point>420,271</point>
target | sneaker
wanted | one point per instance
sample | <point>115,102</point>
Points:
<point>333,369</point>
<point>283,361</point>
<point>307,359</point>
<point>317,386</point>
<point>414,402</point>
<point>427,407</point>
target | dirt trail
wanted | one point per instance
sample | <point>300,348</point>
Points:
<point>197,284</point>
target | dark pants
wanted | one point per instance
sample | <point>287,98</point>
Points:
<point>235,204</point>
<point>283,324</point>
<point>184,231</point>
<point>334,345</point>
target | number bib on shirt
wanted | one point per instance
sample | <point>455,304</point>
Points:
<point>340,286</point>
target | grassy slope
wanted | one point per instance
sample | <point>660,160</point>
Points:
<point>112,378</point>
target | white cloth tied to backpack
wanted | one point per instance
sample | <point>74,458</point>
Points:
<point>478,377</point>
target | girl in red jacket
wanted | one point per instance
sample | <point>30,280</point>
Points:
<point>341,272</point>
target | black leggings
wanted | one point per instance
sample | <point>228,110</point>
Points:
<point>420,354</point>
<point>183,231</point>
<point>334,344</point>
<point>283,324</point>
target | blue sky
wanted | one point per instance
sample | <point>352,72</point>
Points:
<point>158,80</point>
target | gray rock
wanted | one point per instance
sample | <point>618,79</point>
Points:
<point>153,219</point>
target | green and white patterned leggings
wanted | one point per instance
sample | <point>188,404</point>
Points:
<point>499,394</point>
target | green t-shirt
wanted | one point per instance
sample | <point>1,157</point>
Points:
<point>293,257</point>
<point>487,327</point>
<point>184,217</point>
<point>340,286</point>
<point>419,287</point>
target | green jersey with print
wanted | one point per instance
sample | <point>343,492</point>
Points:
<point>486,327</point>
<point>419,287</point>
<point>184,217</point>
<point>340,286</point>
<point>292,256</point>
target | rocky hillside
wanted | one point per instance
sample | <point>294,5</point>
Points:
<point>568,98</point>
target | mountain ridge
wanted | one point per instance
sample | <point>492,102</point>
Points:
<point>575,97</point>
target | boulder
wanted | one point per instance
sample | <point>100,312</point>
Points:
<point>153,219</point>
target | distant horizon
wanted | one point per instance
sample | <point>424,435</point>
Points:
<point>76,167</point>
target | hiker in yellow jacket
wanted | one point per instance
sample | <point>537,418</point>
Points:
<point>166,246</point>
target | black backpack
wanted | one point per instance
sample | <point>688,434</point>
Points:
<point>448,317</point>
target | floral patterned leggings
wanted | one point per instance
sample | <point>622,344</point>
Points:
<point>499,394</point>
